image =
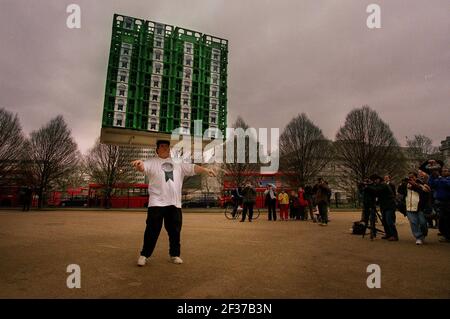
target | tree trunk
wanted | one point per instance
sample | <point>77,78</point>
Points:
<point>41,198</point>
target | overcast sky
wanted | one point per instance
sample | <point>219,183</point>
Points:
<point>286,57</point>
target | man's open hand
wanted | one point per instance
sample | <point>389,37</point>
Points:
<point>211,172</point>
<point>138,164</point>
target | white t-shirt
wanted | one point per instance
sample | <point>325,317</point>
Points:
<point>165,180</point>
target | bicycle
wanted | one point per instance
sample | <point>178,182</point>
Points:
<point>229,212</point>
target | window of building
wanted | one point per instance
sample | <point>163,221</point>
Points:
<point>213,120</point>
<point>123,78</point>
<point>153,126</point>
<point>186,115</point>
<point>154,111</point>
<point>154,97</point>
<point>124,64</point>
<point>186,88</point>
<point>215,68</point>
<point>158,43</point>
<point>122,92</point>
<point>156,84</point>
<point>120,107</point>
<point>158,55</point>
<point>188,61</point>
<point>119,123</point>
<point>126,51</point>
<point>215,56</point>
<point>158,69</point>
<point>185,102</point>
<point>213,93</point>
<point>213,106</point>
<point>188,50</point>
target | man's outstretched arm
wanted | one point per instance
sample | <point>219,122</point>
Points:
<point>199,170</point>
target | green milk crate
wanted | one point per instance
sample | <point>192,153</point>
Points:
<point>161,77</point>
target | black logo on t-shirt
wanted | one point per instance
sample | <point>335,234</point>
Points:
<point>168,170</point>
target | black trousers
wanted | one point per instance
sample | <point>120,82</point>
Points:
<point>272,209</point>
<point>444,218</point>
<point>249,207</point>
<point>26,206</point>
<point>323,211</point>
<point>293,212</point>
<point>302,215</point>
<point>172,218</point>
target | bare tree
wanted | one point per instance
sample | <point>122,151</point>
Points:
<point>304,151</point>
<point>53,155</point>
<point>365,145</point>
<point>11,146</point>
<point>107,165</point>
<point>419,149</point>
<point>240,173</point>
<point>75,178</point>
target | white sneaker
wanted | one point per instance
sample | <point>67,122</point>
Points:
<point>419,242</point>
<point>176,260</point>
<point>142,261</point>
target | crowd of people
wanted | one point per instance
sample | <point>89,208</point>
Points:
<point>292,206</point>
<point>423,197</point>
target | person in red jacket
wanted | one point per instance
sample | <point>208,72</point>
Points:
<point>303,203</point>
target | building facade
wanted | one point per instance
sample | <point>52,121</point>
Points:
<point>131,153</point>
<point>445,150</point>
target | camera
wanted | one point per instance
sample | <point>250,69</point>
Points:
<point>434,167</point>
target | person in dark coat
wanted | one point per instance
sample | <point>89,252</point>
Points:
<point>249,200</point>
<point>388,205</point>
<point>27,198</point>
<point>270,197</point>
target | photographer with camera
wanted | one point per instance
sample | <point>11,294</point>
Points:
<point>369,199</point>
<point>388,205</point>
<point>429,212</point>
<point>439,181</point>
<point>416,198</point>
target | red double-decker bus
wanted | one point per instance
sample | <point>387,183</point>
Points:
<point>122,196</point>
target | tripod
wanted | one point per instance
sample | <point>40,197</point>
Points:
<point>370,219</point>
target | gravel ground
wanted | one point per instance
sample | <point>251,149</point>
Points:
<point>222,258</point>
